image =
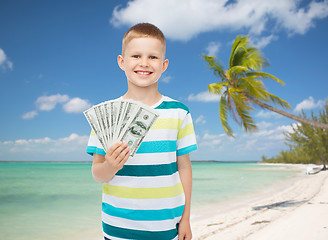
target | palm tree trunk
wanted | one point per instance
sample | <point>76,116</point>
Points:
<point>287,114</point>
<point>323,163</point>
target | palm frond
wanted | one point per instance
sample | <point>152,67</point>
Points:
<point>214,65</point>
<point>224,116</point>
<point>265,76</point>
<point>243,54</point>
<point>254,59</point>
<point>253,87</point>
<point>238,44</point>
<point>238,70</point>
<point>217,88</point>
<point>279,101</point>
<point>243,109</point>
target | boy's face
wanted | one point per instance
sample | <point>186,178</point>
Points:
<point>143,61</point>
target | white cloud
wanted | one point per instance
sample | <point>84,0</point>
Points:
<point>276,133</point>
<point>213,48</point>
<point>204,97</point>
<point>76,105</point>
<point>211,140</point>
<point>262,42</point>
<point>308,104</point>
<point>45,146</point>
<point>166,79</point>
<point>30,115</point>
<point>3,56</point>
<point>185,19</point>
<point>263,125</point>
<point>268,114</point>
<point>245,146</point>
<point>4,62</point>
<point>200,120</point>
<point>47,103</point>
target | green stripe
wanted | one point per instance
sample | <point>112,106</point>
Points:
<point>139,234</point>
<point>148,170</point>
<point>171,105</point>
<point>93,149</point>
<point>157,146</point>
<point>186,150</point>
<point>143,215</point>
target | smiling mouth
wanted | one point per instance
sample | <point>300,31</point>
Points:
<point>143,72</point>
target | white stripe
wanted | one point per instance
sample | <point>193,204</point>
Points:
<point>142,204</point>
<point>172,113</point>
<point>186,121</point>
<point>113,238</point>
<point>161,134</point>
<point>146,182</point>
<point>168,99</point>
<point>93,141</point>
<point>153,158</point>
<point>186,141</point>
<point>140,225</point>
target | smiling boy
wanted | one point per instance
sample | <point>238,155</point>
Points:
<point>147,196</point>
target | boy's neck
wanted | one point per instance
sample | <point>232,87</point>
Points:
<point>145,96</point>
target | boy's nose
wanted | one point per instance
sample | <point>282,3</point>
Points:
<point>144,62</point>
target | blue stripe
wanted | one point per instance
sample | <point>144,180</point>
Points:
<point>143,215</point>
<point>172,105</point>
<point>139,234</point>
<point>148,170</point>
<point>157,146</point>
<point>93,149</point>
<point>186,150</point>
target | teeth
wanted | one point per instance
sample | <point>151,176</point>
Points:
<point>144,73</point>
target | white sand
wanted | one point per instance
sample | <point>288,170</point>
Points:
<point>296,209</point>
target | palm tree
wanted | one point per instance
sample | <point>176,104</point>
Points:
<point>241,87</point>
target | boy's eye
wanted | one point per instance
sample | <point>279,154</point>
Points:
<point>135,56</point>
<point>153,57</point>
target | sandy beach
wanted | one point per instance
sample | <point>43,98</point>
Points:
<point>293,209</point>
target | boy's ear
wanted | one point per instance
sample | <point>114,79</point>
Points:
<point>165,65</point>
<point>120,61</point>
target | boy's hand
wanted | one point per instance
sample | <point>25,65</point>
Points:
<point>117,155</point>
<point>184,230</point>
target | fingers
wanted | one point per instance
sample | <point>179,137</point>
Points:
<point>118,152</point>
<point>125,154</point>
<point>113,148</point>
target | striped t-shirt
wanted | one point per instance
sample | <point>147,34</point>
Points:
<point>145,199</point>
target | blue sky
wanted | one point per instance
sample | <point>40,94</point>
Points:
<point>58,58</point>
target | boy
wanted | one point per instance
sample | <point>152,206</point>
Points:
<point>147,196</point>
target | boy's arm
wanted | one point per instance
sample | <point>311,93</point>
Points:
<point>185,172</point>
<point>105,167</point>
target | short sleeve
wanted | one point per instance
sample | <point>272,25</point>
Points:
<point>186,141</point>
<point>94,146</point>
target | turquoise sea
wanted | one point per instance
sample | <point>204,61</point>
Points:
<point>62,201</point>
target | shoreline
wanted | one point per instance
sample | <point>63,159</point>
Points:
<point>252,216</point>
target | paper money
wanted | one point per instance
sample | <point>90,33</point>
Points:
<point>121,120</point>
<point>138,128</point>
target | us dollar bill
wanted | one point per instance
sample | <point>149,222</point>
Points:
<point>130,111</point>
<point>121,120</point>
<point>92,119</point>
<point>116,113</point>
<point>99,111</point>
<point>136,131</point>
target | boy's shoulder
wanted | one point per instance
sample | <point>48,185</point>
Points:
<point>170,103</point>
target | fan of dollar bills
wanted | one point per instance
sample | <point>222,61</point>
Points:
<point>121,120</point>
